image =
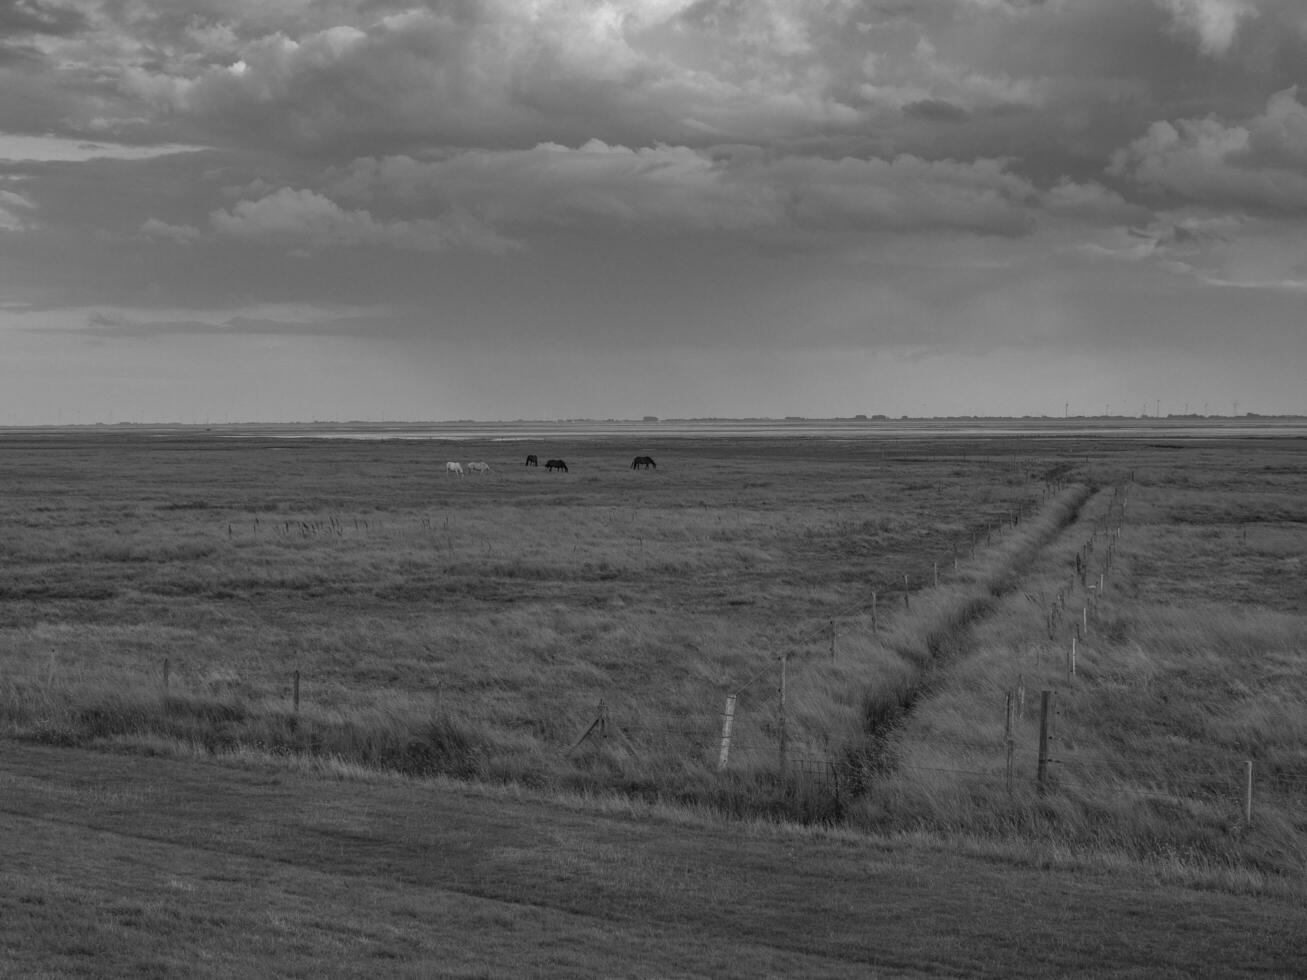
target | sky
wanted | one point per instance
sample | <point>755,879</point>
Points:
<point>293,210</point>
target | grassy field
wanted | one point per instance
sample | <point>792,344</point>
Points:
<point>573,633</point>
<point>468,626</point>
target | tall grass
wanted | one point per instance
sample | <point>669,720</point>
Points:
<point>500,611</point>
<point>1169,701</point>
<point>479,628</point>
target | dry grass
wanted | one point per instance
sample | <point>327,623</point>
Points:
<point>1180,681</point>
<point>473,628</point>
<point>468,626</point>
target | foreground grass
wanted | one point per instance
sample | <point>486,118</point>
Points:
<point>130,866</point>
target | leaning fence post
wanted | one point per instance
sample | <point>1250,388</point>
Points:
<point>1248,793</point>
<point>1007,737</point>
<point>600,723</point>
<point>728,718</point>
<point>784,734</point>
<point>1045,735</point>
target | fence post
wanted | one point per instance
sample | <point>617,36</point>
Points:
<point>1045,735</point>
<point>1007,737</point>
<point>165,675</point>
<point>728,718</point>
<point>600,723</point>
<point>832,639</point>
<point>937,575</point>
<point>1248,793</point>
<point>875,621</point>
<point>784,739</point>
<point>296,695</point>
<point>905,592</point>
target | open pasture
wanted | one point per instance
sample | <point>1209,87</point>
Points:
<point>583,630</point>
<point>1169,625</point>
<point>471,627</point>
<point>453,624</point>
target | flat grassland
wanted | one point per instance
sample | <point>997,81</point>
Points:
<point>546,635</point>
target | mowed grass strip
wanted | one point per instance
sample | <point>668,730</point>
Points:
<point>125,865</point>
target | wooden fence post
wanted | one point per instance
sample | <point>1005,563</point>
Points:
<point>1007,737</point>
<point>295,703</point>
<point>165,675</point>
<point>600,724</point>
<point>728,719</point>
<point>1045,735</point>
<point>905,592</point>
<point>784,733</point>
<point>875,621</point>
<point>832,639</point>
<point>1248,793</point>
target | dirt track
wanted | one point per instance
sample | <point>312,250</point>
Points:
<point>117,865</point>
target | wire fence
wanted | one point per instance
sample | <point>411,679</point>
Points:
<point>1226,779</point>
<point>768,745</point>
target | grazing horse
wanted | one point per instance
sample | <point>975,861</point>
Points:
<point>643,463</point>
<point>555,464</point>
<point>478,467</point>
<point>532,461</point>
<point>454,468</point>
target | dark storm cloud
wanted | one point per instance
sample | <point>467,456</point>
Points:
<point>569,175</point>
<point>936,110</point>
<point>1259,162</point>
<point>18,17</point>
<point>106,325</point>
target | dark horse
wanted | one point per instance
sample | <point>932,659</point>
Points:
<point>555,464</point>
<point>532,461</point>
<point>643,463</point>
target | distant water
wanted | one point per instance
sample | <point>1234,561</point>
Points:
<point>782,428</point>
<point>522,431</point>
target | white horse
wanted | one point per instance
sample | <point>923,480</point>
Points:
<point>478,467</point>
<point>454,468</point>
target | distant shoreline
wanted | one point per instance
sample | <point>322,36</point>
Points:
<point>847,428</point>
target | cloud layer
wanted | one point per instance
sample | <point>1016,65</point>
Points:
<point>909,178</point>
